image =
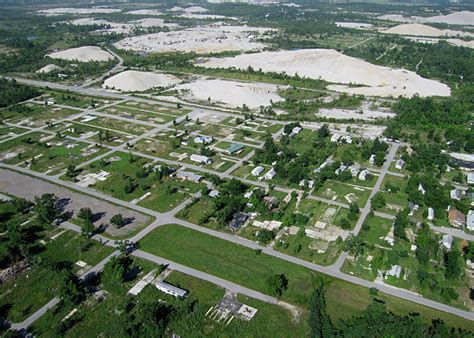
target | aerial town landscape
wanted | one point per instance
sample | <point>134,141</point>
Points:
<point>236,168</point>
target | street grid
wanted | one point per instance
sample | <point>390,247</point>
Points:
<point>170,218</point>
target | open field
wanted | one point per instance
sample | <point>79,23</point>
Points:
<point>242,265</point>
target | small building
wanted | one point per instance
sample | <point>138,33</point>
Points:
<point>189,176</point>
<point>235,148</point>
<point>399,164</point>
<point>456,218</point>
<point>363,175</point>
<point>257,171</point>
<point>372,159</point>
<point>463,160</point>
<point>447,241</point>
<point>431,214</point>
<point>412,207</point>
<point>200,159</point>
<point>270,174</point>
<point>270,201</point>
<point>345,139</point>
<point>470,178</point>
<point>470,220</point>
<point>341,169</point>
<point>455,194</point>
<point>335,137</point>
<point>421,189</point>
<point>239,219</point>
<point>394,271</point>
<point>171,290</point>
<point>214,193</point>
<point>203,139</point>
<point>295,131</point>
<point>355,169</point>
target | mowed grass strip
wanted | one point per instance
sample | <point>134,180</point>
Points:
<point>230,261</point>
<point>243,266</point>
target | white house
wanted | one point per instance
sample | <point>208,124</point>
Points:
<point>455,194</point>
<point>257,171</point>
<point>431,214</point>
<point>363,175</point>
<point>470,178</point>
<point>399,164</point>
<point>394,271</point>
<point>372,159</point>
<point>200,159</point>
<point>447,241</point>
<point>470,220</point>
<point>270,174</point>
<point>171,290</point>
<point>421,189</point>
<point>203,139</point>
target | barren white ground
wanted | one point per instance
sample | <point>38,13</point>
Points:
<point>336,67</point>
<point>145,12</point>
<point>153,22</point>
<point>417,29</point>
<point>230,93</point>
<point>201,39</point>
<point>456,18</point>
<point>83,54</point>
<point>67,10</point>
<point>135,81</point>
<point>48,69</point>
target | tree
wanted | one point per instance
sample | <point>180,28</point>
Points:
<point>345,224</point>
<point>354,211</point>
<point>71,171</point>
<point>276,284</point>
<point>453,264</point>
<point>45,208</point>
<point>319,321</point>
<point>354,245</point>
<point>85,214</point>
<point>115,270</point>
<point>117,220</point>
<point>87,228</point>
<point>378,201</point>
<point>68,287</point>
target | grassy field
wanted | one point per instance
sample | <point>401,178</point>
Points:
<point>243,266</point>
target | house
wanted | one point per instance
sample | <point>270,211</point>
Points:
<point>430,214</point>
<point>470,220</point>
<point>447,241</point>
<point>171,290</point>
<point>214,193</point>
<point>456,218</point>
<point>295,131</point>
<point>270,174</point>
<point>188,176</point>
<point>355,169</point>
<point>270,201</point>
<point>463,160</point>
<point>322,166</point>
<point>399,164</point>
<point>335,137</point>
<point>203,139</point>
<point>455,194</point>
<point>257,171</point>
<point>234,148</point>
<point>237,221</point>
<point>341,169</point>
<point>470,178</point>
<point>363,175</point>
<point>470,196</point>
<point>346,139</point>
<point>372,159</point>
<point>421,189</point>
<point>394,271</point>
<point>200,159</point>
<point>412,207</point>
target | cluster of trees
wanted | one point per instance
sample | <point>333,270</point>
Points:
<point>374,321</point>
<point>230,200</point>
<point>12,92</point>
